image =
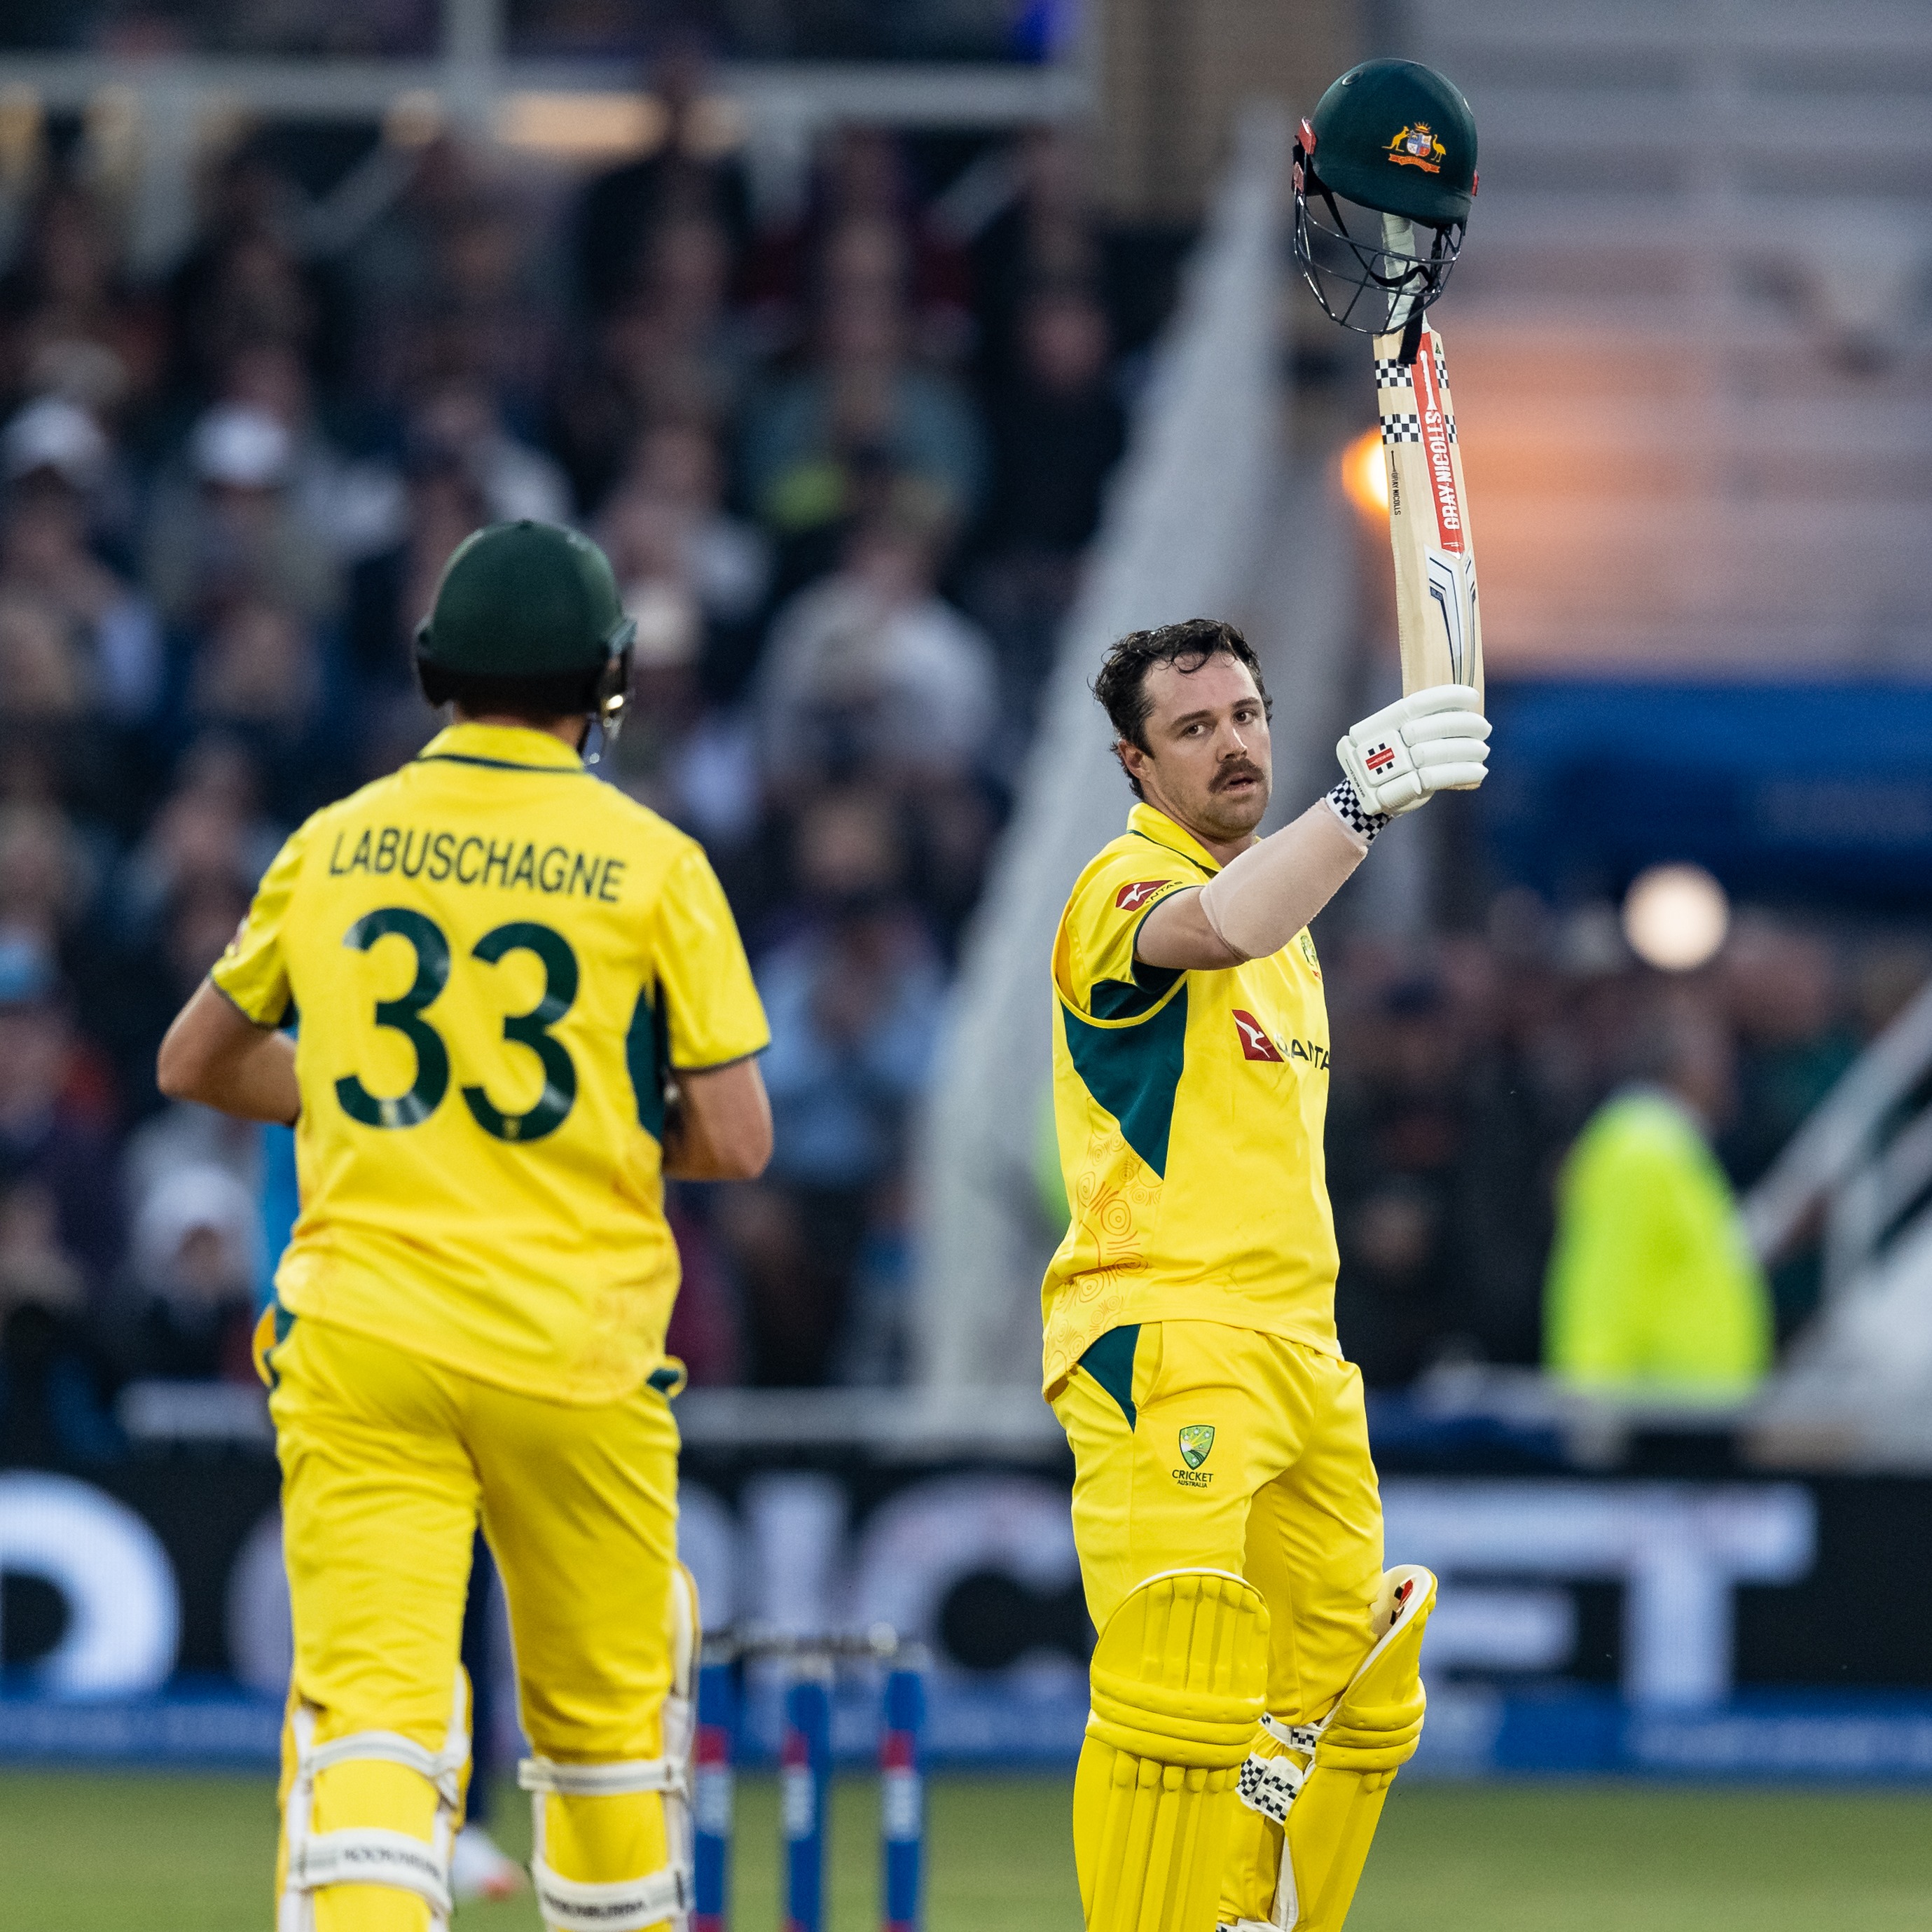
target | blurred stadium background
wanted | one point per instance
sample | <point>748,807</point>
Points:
<point>902,353</point>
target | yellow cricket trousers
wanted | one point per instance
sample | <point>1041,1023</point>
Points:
<point>1198,1445</point>
<point>388,1460</point>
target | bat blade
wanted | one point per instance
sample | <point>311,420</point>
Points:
<point>1438,620</point>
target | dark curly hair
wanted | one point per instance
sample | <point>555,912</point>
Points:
<point>1121,685</point>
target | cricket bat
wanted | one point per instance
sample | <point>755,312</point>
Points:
<point>1438,625</point>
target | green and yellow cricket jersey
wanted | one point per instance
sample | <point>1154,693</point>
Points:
<point>496,960</point>
<point>1188,1107</point>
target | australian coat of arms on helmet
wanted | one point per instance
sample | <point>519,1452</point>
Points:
<point>1416,146</point>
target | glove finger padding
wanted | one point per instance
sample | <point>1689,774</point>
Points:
<point>1419,704</point>
<point>1440,724</point>
<point>1451,778</point>
<point>1449,752</point>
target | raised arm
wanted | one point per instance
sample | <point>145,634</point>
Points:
<point>1262,900</point>
<point>1395,760</point>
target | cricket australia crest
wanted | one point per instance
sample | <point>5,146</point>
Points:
<point>1196,1439</point>
<point>1416,146</point>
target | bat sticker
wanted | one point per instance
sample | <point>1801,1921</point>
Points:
<point>1439,623</point>
<point>1452,589</point>
<point>1436,438</point>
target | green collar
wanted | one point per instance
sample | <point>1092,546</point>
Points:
<point>510,748</point>
<point>1163,831</point>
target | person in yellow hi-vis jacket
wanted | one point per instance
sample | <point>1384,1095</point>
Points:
<point>1652,1285</point>
<point>1256,1682</point>
<point>523,1002</point>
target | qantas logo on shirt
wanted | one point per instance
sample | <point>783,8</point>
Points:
<point>1255,1045</point>
<point>1131,898</point>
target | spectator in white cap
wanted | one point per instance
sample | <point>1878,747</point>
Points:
<point>240,447</point>
<point>52,433</point>
<point>188,1310</point>
<point>223,525</point>
<point>353,502</point>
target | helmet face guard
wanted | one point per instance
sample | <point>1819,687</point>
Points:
<point>1377,274</point>
<point>612,695</point>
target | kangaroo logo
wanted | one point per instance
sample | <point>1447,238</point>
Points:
<point>1131,898</point>
<point>1256,1044</point>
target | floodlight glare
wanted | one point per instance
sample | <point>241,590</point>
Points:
<point>1365,475</point>
<point>1675,917</point>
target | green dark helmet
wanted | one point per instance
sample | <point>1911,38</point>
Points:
<point>1384,172</point>
<point>527,620</point>
<point>1396,136</point>
<point>525,600</point>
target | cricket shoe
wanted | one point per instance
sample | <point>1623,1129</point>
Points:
<point>480,1868</point>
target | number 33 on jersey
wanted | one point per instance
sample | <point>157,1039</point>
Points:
<point>497,961</point>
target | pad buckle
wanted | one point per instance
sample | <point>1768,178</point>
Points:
<point>1270,1785</point>
<point>627,1905</point>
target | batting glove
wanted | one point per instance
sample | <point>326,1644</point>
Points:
<point>1419,744</point>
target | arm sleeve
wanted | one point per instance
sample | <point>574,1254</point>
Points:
<point>709,1008</point>
<point>1094,969</point>
<point>253,973</point>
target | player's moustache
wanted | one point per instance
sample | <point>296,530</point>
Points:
<point>1239,769</point>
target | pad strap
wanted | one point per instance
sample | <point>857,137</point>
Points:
<point>1270,1785</point>
<point>600,1780</point>
<point>367,1855</point>
<point>629,1905</point>
<point>1297,1737</point>
<point>441,1769</point>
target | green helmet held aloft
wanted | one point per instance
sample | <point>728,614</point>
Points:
<point>525,600</point>
<point>1397,136</point>
<point>1384,172</point>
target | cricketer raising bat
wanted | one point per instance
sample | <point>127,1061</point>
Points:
<point>1384,172</point>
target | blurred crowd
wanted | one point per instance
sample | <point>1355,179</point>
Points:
<point>844,456</point>
<point>1464,1073</point>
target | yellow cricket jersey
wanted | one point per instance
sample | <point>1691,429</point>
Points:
<point>1189,1108</point>
<point>496,960</point>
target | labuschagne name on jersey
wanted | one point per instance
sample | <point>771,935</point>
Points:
<point>410,852</point>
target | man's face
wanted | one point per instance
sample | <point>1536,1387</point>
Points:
<point>1208,763</point>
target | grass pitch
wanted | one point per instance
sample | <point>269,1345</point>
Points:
<point>192,1854</point>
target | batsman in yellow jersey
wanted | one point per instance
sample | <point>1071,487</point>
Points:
<point>1256,1682</point>
<point>523,1002</point>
